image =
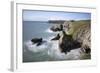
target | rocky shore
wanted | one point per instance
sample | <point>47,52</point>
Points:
<point>75,34</point>
<point>71,35</point>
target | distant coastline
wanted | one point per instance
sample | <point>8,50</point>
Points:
<point>57,21</point>
<point>35,21</point>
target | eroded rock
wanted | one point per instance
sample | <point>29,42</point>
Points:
<point>66,43</point>
<point>57,27</point>
<point>36,40</point>
<point>56,38</point>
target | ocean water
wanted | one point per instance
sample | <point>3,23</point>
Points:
<point>47,51</point>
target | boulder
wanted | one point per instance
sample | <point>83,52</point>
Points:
<point>36,40</point>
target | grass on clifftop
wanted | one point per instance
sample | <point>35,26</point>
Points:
<point>78,25</point>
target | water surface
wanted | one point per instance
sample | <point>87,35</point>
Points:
<point>48,51</point>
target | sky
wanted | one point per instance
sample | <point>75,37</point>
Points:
<point>33,15</point>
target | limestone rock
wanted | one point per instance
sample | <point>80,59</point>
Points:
<point>57,27</point>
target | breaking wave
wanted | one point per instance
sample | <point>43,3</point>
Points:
<point>49,31</point>
<point>48,51</point>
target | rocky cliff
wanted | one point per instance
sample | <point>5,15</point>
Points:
<point>81,32</point>
<point>75,34</point>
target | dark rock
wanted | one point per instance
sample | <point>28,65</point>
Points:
<point>86,49</point>
<point>57,27</point>
<point>36,40</point>
<point>56,21</point>
<point>61,27</point>
<point>76,44</point>
<point>83,35</point>
<point>67,43</point>
<point>56,38</point>
<point>40,43</point>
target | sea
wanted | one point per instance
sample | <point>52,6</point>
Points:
<point>47,51</point>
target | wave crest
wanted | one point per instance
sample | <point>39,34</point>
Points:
<point>51,50</point>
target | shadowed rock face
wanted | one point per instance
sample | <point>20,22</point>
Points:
<point>81,31</point>
<point>83,36</point>
<point>57,27</point>
<point>56,38</point>
<point>66,43</point>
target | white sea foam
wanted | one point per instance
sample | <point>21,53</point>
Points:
<point>49,31</point>
<point>34,48</point>
<point>52,50</point>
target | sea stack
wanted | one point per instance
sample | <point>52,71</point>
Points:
<point>36,40</point>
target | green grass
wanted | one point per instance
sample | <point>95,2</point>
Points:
<point>78,25</point>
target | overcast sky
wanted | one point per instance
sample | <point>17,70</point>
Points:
<point>29,15</point>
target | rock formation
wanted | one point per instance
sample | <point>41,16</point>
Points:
<point>56,38</point>
<point>57,27</point>
<point>67,27</point>
<point>83,35</point>
<point>66,43</point>
<point>81,32</point>
<point>36,40</point>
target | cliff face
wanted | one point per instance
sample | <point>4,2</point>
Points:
<point>57,27</point>
<point>75,34</point>
<point>66,43</point>
<point>81,33</point>
<point>67,27</point>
